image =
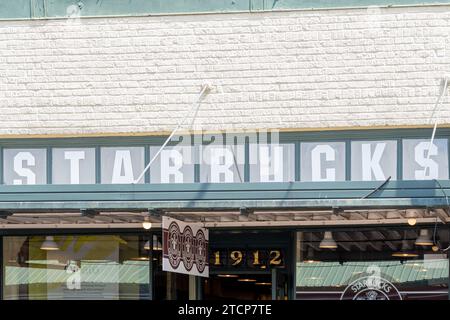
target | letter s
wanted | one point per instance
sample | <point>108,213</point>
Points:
<point>29,175</point>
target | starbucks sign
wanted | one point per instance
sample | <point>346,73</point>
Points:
<point>371,287</point>
<point>364,160</point>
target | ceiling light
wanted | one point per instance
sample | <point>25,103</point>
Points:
<point>157,246</point>
<point>147,245</point>
<point>424,238</point>
<point>247,280</point>
<point>411,215</point>
<point>328,241</point>
<point>140,259</point>
<point>405,255</point>
<point>263,284</point>
<point>49,244</point>
<point>405,251</point>
<point>146,224</point>
<point>227,275</point>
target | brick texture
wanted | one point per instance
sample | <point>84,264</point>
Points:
<point>298,69</point>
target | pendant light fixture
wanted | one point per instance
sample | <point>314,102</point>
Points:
<point>405,250</point>
<point>157,246</point>
<point>328,241</point>
<point>424,238</point>
<point>49,244</point>
<point>147,245</point>
<point>310,256</point>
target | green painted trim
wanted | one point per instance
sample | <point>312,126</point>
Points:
<point>274,195</point>
<point>247,160</point>
<point>98,165</point>
<point>400,186</point>
<point>348,160</point>
<point>57,9</point>
<point>400,159</point>
<point>1,166</point>
<point>147,160</point>
<point>297,161</point>
<point>396,194</point>
<point>49,165</point>
<point>296,204</point>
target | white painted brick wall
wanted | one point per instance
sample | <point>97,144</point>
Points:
<point>302,69</point>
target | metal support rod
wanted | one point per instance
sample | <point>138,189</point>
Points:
<point>199,288</point>
<point>151,286</point>
<point>192,287</point>
<point>195,107</point>
<point>274,283</point>
<point>437,107</point>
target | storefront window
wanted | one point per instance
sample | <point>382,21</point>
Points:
<point>167,285</point>
<point>248,265</point>
<point>373,264</point>
<point>75,267</point>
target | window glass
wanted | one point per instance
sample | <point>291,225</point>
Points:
<point>75,267</point>
<point>168,285</point>
<point>375,264</point>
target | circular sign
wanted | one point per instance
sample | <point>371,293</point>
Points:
<point>371,288</point>
<point>200,254</point>
<point>187,249</point>
<point>174,245</point>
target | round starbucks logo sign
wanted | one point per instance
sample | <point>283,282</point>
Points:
<point>187,251</point>
<point>174,247</point>
<point>201,251</point>
<point>371,287</point>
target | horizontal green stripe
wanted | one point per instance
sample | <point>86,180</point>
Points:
<point>233,195</point>
<point>25,9</point>
<point>229,187</point>
<point>330,274</point>
<point>254,195</point>
<point>318,204</point>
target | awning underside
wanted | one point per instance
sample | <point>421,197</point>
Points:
<point>222,219</point>
<point>225,204</point>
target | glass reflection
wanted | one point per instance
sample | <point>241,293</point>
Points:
<point>75,267</point>
<point>373,265</point>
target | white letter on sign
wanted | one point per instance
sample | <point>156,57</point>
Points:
<point>123,160</point>
<point>371,163</point>
<point>221,162</point>
<point>168,170</point>
<point>74,157</point>
<point>330,155</point>
<point>24,172</point>
<point>431,168</point>
<point>271,165</point>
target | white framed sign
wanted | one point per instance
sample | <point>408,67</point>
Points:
<point>185,247</point>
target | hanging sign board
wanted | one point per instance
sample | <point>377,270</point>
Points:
<point>185,247</point>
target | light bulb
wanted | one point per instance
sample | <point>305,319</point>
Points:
<point>147,225</point>
<point>412,221</point>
